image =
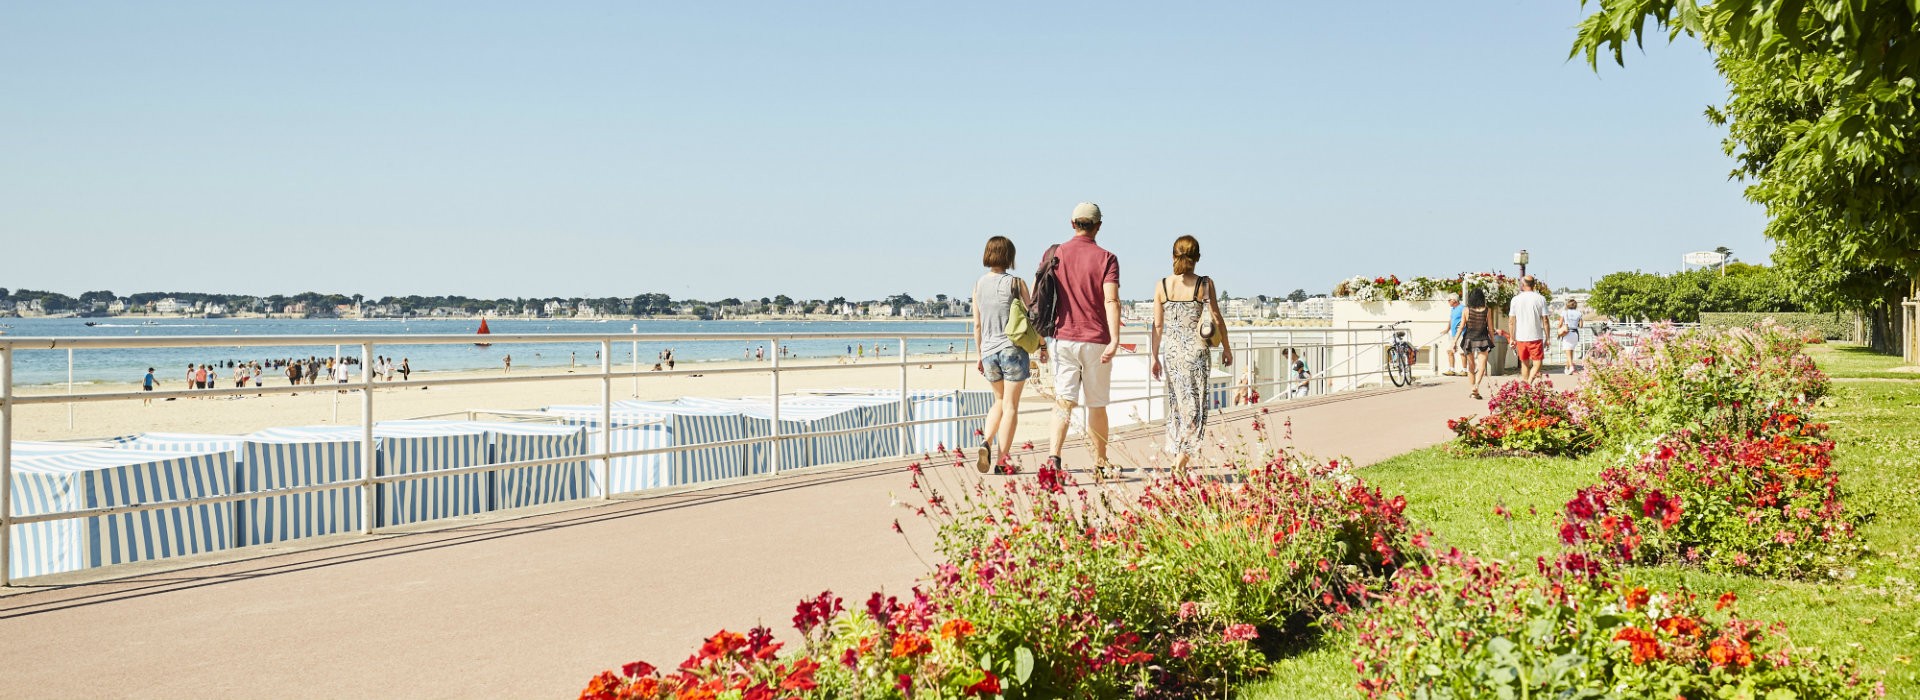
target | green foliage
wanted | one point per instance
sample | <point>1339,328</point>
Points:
<point>1824,107</point>
<point>1824,326</point>
<point>1684,296</point>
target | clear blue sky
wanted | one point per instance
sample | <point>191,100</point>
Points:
<point>821,149</point>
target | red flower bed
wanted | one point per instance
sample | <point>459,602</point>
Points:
<point>1466,627</point>
<point>1524,419</point>
<point>1768,502</point>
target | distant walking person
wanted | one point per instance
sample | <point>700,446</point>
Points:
<point>507,361</point>
<point>148,384</point>
<point>1527,328</point>
<point>1005,365</point>
<point>1570,318</point>
<point>1454,313</point>
<point>406,370</point>
<point>1086,334</point>
<point>1181,305</point>
<point>193,376</point>
<point>1475,338</point>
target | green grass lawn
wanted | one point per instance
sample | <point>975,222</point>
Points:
<point>1857,362</point>
<point>1870,607</point>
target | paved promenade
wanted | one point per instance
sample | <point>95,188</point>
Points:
<point>532,607</point>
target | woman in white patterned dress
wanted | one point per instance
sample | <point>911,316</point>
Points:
<point>1180,353</point>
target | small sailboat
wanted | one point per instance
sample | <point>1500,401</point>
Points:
<point>483,331</point>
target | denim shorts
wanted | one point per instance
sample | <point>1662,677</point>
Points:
<point>1009,365</point>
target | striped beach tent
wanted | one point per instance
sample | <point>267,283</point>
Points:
<point>630,431</point>
<point>813,414</point>
<point>829,413</point>
<point>970,407</point>
<point>695,424</point>
<point>280,458</point>
<point>422,446</point>
<point>532,486</point>
<point>756,420</point>
<point>46,481</point>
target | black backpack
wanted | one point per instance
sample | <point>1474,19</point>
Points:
<point>1046,293</point>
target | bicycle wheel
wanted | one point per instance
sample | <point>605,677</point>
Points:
<point>1406,367</point>
<point>1394,362</point>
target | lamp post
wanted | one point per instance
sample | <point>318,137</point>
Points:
<point>1520,259</point>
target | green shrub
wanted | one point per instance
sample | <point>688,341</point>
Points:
<point>1828,326</point>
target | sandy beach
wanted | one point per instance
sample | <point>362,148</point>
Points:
<point>407,400</point>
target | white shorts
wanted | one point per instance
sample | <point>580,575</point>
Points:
<point>1079,375</point>
<point>1570,342</point>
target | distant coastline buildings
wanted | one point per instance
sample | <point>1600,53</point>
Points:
<point>32,303</point>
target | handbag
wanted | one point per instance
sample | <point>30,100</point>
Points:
<point>1020,328</point>
<point>1214,333</point>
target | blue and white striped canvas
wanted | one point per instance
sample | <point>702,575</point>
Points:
<point>100,478</point>
<point>969,407</point>
<point>631,431</point>
<point>279,458</point>
<point>532,486</point>
<point>421,446</point>
<point>693,424</point>
<point>756,421</point>
<point>40,449</point>
<point>825,413</point>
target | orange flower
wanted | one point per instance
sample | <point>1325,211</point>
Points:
<point>1681,626</point>
<point>910,644</point>
<point>1730,650</point>
<point>956,629</point>
<point>866,645</point>
<point>1645,646</point>
<point>1637,598</point>
<point>1726,599</point>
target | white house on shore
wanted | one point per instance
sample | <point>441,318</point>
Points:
<point>168,305</point>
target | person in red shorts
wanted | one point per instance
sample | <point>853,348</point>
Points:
<point>1527,328</point>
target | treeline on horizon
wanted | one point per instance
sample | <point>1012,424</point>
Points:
<point>649,304</point>
<point>1683,296</point>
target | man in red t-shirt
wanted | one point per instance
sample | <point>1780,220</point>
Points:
<point>1086,333</point>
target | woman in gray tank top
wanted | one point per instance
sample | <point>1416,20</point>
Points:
<point>1005,366</point>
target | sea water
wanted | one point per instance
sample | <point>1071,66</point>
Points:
<point>128,365</point>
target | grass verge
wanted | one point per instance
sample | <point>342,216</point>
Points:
<point>1870,606</point>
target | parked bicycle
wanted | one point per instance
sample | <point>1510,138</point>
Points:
<point>1400,356</point>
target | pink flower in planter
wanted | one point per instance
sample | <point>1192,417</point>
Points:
<point>1241,632</point>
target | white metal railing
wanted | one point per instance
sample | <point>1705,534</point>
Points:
<point>1359,353</point>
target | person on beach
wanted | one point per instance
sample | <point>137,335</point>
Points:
<point>1569,320</point>
<point>669,359</point>
<point>1454,313</point>
<point>1181,304</point>
<point>293,374</point>
<point>148,384</point>
<point>1086,334</point>
<point>507,361</point>
<point>406,370</point>
<point>1475,338</point>
<point>193,376</point>
<point>212,376</point>
<point>341,374</point>
<point>1005,366</point>
<point>1527,328</point>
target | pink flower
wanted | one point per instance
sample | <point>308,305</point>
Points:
<point>1189,609</point>
<point>1253,576</point>
<point>1181,649</point>
<point>1241,632</point>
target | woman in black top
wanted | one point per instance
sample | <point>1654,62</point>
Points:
<point>1476,338</point>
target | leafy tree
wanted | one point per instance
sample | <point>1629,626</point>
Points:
<point>1297,296</point>
<point>1824,105</point>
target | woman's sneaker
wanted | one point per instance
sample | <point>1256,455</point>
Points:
<point>985,461</point>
